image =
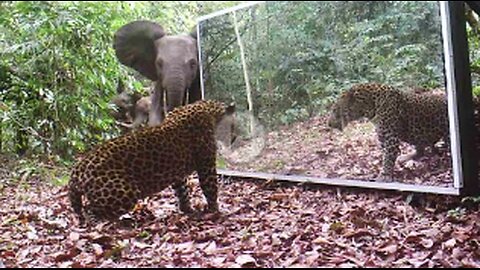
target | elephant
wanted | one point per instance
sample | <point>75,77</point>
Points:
<point>171,61</point>
<point>123,103</point>
<point>141,111</point>
<point>131,109</point>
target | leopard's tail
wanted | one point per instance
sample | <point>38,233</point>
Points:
<point>75,196</point>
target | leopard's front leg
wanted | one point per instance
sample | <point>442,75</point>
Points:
<point>391,149</point>
<point>181,189</point>
<point>206,168</point>
<point>208,182</point>
<point>207,174</point>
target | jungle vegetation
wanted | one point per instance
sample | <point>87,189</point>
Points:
<point>58,70</point>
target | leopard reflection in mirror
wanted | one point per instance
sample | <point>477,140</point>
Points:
<point>399,116</point>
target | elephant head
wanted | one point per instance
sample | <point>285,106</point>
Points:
<point>171,61</point>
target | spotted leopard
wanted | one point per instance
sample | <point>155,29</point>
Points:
<point>110,179</point>
<point>418,119</point>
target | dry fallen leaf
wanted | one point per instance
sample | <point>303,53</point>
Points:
<point>32,235</point>
<point>419,263</point>
<point>390,249</point>
<point>62,256</point>
<point>427,243</point>
<point>73,236</point>
<point>98,250</point>
<point>320,240</point>
<point>279,196</point>
<point>245,260</point>
<point>211,248</point>
<point>450,243</point>
<point>218,261</point>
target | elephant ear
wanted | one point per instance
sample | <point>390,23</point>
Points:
<point>134,45</point>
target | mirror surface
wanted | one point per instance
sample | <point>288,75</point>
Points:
<point>298,72</point>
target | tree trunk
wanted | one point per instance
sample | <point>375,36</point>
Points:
<point>254,39</point>
<point>245,74</point>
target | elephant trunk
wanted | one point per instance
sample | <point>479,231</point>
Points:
<point>175,91</point>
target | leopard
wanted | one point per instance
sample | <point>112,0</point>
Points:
<point>111,178</point>
<point>418,119</point>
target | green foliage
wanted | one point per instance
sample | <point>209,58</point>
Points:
<point>58,70</point>
<point>301,55</point>
<point>221,163</point>
<point>61,69</point>
<point>26,171</point>
<point>474,50</point>
<point>476,90</point>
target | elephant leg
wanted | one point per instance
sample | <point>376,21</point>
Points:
<point>195,91</point>
<point>185,99</point>
<point>157,112</point>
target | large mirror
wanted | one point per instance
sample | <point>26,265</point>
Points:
<point>333,90</point>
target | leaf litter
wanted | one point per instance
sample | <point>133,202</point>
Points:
<point>310,148</point>
<point>262,223</point>
<point>282,225</point>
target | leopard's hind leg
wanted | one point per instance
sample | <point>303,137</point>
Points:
<point>113,198</point>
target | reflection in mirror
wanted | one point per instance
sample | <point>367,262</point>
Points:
<point>349,90</point>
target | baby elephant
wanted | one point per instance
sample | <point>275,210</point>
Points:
<point>131,109</point>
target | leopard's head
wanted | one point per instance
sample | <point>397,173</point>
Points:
<point>352,105</point>
<point>225,125</point>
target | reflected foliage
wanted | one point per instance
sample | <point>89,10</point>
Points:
<point>301,55</point>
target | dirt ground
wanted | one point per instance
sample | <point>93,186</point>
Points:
<point>310,148</point>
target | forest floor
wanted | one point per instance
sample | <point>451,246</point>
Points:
<point>310,148</point>
<point>261,223</point>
